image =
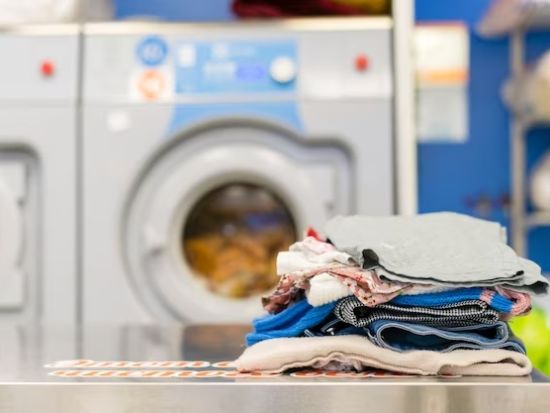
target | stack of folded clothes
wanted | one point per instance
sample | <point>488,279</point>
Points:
<point>429,294</point>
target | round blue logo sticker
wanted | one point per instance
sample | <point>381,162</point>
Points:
<point>152,51</point>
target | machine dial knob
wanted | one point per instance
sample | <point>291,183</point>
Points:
<point>283,69</point>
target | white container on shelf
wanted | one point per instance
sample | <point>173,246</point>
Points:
<point>529,94</point>
<point>504,16</point>
<point>540,184</point>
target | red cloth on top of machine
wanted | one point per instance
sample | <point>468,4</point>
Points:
<point>311,232</point>
<point>286,8</point>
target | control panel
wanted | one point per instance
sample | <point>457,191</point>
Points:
<point>241,62</point>
<point>237,66</point>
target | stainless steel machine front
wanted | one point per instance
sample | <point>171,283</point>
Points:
<point>59,369</point>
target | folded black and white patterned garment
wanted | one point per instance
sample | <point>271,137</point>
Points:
<point>463,313</point>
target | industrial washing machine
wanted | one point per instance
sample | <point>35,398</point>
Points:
<point>208,148</point>
<point>38,129</point>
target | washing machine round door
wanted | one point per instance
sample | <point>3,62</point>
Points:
<point>11,242</point>
<point>207,220</point>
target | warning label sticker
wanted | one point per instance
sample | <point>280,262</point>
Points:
<point>196,369</point>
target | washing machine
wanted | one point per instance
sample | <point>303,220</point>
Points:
<point>38,127</point>
<point>208,148</point>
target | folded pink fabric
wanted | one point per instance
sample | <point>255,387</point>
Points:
<point>364,284</point>
<point>522,301</point>
<point>367,286</point>
<point>357,352</point>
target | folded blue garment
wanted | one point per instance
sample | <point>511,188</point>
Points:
<point>495,300</point>
<point>292,322</point>
<point>283,319</point>
<point>399,336</point>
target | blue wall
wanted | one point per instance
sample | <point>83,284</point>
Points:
<point>174,10</point>
<point>452,175</point>
<point>473,177</point>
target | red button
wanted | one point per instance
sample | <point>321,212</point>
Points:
<point>47,68</point>
<point>361,63</point>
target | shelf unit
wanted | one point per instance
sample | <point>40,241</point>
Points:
<point>522,220</point>
<point>518,145</point>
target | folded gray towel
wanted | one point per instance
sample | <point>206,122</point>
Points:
<point>439,248</point>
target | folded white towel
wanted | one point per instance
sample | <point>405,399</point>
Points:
<point>324,289</point>
<point>281,354</point>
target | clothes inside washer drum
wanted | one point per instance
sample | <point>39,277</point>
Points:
<point>464,313</point>
<point>281,354</point>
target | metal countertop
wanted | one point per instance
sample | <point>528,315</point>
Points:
<point>38,370</point>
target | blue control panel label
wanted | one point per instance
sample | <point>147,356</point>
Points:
<point>235,67</point>
<point>152,51</point>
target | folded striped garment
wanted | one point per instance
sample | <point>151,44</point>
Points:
<point>502,300</point>
<point>464,313</point>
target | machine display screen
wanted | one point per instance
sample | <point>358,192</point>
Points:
<point>235,66</point>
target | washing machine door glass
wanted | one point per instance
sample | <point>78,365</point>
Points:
<point>231,238</point>
<point>212,209</point>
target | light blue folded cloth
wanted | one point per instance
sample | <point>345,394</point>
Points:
<point>399,336</point>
